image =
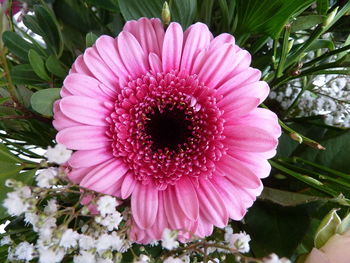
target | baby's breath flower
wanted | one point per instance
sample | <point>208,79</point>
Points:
<point>106,205</point>
<point>47,177</point>
<point>169,239</point>
<point>69,238</point>
<point>58,154</point>
<point>172,260</point>
<point>25,251</point>
<point>273,258</point>
<point>84,257</point>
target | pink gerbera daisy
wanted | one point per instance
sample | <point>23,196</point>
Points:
<point>169,120</point>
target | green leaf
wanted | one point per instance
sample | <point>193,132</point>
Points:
<point>56,67</point>
<point>24,74</point>
<point>90,39</point>
<point>182,11</point>
<point>327,228</point>
<point>17,45</point>
<point>322,6</point>
<point>7,156</point>
<point>111,5</point>
<point>42,100</point>
<point>3,100</point>
<point>344,225</point>
<point>276,229</point>
<point>306,22</point>
<point>321,43</point>
<point>38,64</point>
<point>266,16</point>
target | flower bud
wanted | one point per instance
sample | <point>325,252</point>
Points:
<point>166,16</point>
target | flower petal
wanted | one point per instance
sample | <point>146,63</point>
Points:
<point>83,137</point>
<point>87,158</point>
<point>187,198</point>
<point>128,186</point>
<point>172,47</point>
<point>211,204</point>
<point>155,62</point>
<point>144,205</point>
<point>85,110</point>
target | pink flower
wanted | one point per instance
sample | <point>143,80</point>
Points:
<point>16,6</point>
<point>169,119</point>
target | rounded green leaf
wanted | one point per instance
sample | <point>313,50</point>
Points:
<point>38,64</point>
<point>42,100</point>
<point>327,228</point>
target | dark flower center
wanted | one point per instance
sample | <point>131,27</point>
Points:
<point>169,128</point>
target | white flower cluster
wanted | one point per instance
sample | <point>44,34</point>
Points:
<point>237,241</point>
<point>88,243</point>
<point>329,95</point>
<point>273,258</point>
<point>169,239</point>
<point>58,154</point>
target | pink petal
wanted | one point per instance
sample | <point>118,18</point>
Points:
<point>238,107</point>
<point>230,196</point>
<point>237,173</point>
<point>128,185</point>
<point>211,204</point>
<point>172,47</point>
<point>204,228</point>
<point>79,66</point>
<point>65,92</point>
<point>104,175</point>
<point>155,62</point>
<point>76,175</point>
<point>145,34</point>
<point>197,38</point>
<point>248,196</point>
<point>144,205</point>
<point>249,138</point>
<point>159,30</point>
<point>98,68</point>
<point>250,75</point>
<point>83,137</point>
<point>221,40</point>
<point>134,58</point>
<point>216,65</point>
<point>88,158</point>
<point>85,110</point>
<point>187,197</point>
<point>157,229</point>
<point>108,50</point>
<point>83,85</point>
<point>61,121</point>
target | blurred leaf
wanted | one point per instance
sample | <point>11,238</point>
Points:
<point>182,11</point>
<point>17,45</point>
<point>56,67</point>
<point>306,22</point>
<point>344,225</point>
<point>276,229</point>
<point>24,74</point>
<point>42,100</point>
<point>24,95</point>
<point>327,228</point>
<point>322,6</point>
<point>90,39</point>
<point>321,43</point>
<point>3,100</point>
<point>49,27</point>
<point>111,5</point>
<point>38,64</point>
<point>265,16</point>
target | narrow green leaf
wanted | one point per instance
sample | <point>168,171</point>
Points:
<point>56,67</point>
<point>322,6</point>
<point>7,156</point>
<point>321,43</point>
<point>90,39</point>
<point>17,45</point>
<point>42,100</point>
<point>38,64</point>
<point>327,228</point>
<point>3,100</point>
<point>307,22</point>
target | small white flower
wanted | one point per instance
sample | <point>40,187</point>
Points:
<point>215,260</point>
<point>273,258</point>
<point>172,260</point>
<point>84,257</point>
<point>15,203</point>
<point>49,255</point>
<point>169,239</point>
<point>46,177</point>
<point>239,241</point>
<point>107,242</point>
<point>46,228</point>
<point>142,259</point>
<point>104,260</point>
<point>69,238</point>
<point>6,240</point>
<point>86,242</point>
<point>106,205</point>
<point>59,154</point>
<point>111,221</point>
<point>51,207</point>
<point>24,251</point>
<point>31,218</point>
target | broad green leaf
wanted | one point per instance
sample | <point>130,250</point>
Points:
<point>38,64</point>
<point>275,229</point>
<point>24,95</point>
<point>42,100</point>
<point>17,45</point>
<point>90,39</point>
<point>266,16</point>
<point>56,67</point>
<point>24,74</point>
<point>321,43</point>
<point>49,26</point>
<point>344,225</point>
<point>306,22</point>
<point>182,11</point>
<point>111,5</point>
<point>327,228</point>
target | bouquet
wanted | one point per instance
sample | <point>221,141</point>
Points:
<point>180,131</point>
